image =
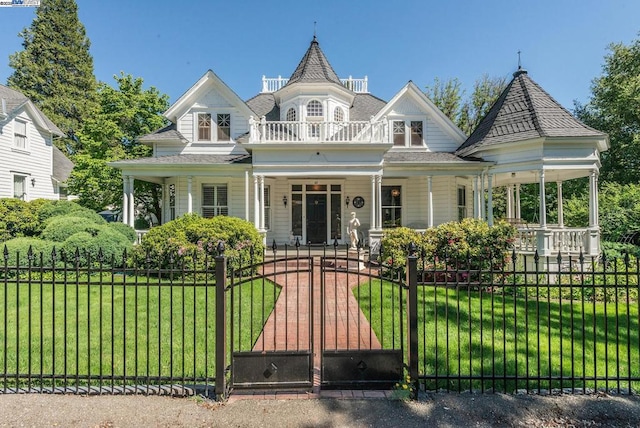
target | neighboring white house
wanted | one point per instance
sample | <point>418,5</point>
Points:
<point>31,167</point>
<point>306,151</point>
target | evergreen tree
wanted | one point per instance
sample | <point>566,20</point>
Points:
<point>55,69</point>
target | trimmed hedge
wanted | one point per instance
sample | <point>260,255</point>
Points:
<point>19,247</point>
<point>125,230</point>
<point>18,218</point>
<point>60,228</point>
<point>110,243</point>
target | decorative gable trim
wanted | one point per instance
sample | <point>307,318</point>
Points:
<point>201,88</point>
<point>420,100</point>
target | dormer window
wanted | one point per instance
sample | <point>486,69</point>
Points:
<point>408,133</point>
<point>291,115</point>
<point>338,115</point>
<point>416,133</point>
<point>314,108</point>
<point>224,126</point>
<point>204,126</point>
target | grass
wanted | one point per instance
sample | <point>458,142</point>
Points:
<point>87,333</point>
<point>489,340</point>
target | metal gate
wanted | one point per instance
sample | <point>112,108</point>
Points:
<point>337,316</point>
<point>271,322</point>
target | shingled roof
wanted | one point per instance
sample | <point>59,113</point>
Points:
<point>314,67</point>
<point>13,100</point>
<point>522,112</point>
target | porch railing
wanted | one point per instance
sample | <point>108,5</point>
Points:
<point>272,84</point>
<point>311,132</point>
<point>554,240</point>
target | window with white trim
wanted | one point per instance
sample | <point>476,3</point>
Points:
<point>462,202</point>
<point>20,187</point>
<point>20,134</point>
<point>398,133</point>
<point>291,115</point>
<point>267,207</point>
<point>314,108</point>
<point>223,123</point>
<point>172,201</point>
<point>416,132</point>
<point>338,114</point>
<point>204,126</point>
<point>391,206</point>
<point>214,200</point>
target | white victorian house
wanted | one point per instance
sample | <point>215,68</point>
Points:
<point>31,166</point>
<point>306,151</point>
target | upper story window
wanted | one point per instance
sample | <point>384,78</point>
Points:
<point>224,126</point>
<point>314,108</point>
<point>20,134</point>
<point>204,126</point>
<point>398,133</point>
<point>291,115</point>
<point>338,114</point>
<point>416,132</point>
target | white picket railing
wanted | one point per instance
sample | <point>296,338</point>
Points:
<point>272,84</point>
<point>562,240</point>
<point>312,132</point>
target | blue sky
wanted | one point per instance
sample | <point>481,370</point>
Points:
<point>172,44</point>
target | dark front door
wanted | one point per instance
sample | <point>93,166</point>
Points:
<point>317,218</point>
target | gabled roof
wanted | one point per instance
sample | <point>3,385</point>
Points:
<point>411,89</point>
<point>525,111</point>
<point>62,166</point>
<point>205,83</point>
<point>314,67</point>
<point>14,100</point>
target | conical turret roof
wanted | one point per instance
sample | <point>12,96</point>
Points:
<point>522,112</point>
<point>314,67</point>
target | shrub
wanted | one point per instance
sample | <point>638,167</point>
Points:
<point>19,247</point>
<point>67,208</point>
<point>124,229</point>
<point>18,218</point>
<point>192,235</point>
<point>58,229</point>
<point>110,243</point>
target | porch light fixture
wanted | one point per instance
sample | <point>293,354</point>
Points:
<point>346,201</point>
<point>284,200</point>
<point>33,182</point>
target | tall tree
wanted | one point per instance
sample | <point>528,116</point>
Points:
<point>613,108</point>
<point>466,112</point>
<point>55,68</point>
<point>125,113</point>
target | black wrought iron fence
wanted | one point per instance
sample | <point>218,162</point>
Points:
<point>535,325</point>
<point>75,325</point>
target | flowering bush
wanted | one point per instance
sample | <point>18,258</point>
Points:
<point>191,239</point>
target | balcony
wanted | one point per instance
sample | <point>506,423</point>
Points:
<point>272,84</point>
<point>317,132</point>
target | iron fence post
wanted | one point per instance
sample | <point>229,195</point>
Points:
<point>412,318</point>
<point>221,330</point>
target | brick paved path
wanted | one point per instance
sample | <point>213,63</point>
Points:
<point>345,326</point>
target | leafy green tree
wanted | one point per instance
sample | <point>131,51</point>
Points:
<point>125,113</point>
<point>466,112</point>
<point>55,68</point>
<point>613,108</point>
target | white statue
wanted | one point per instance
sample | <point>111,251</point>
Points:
<point>352,229</point>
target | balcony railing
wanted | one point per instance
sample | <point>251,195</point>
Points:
<point>316,132</point>
<point>272,84</point>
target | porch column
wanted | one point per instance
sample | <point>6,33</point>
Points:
<point>261,202</point>
<point>246,195</point>
<point>518,215</point>
<point>429,201</point>
<point>256,202</point>
<point>379,202</point>
<point>490,199</point>
<point>132,208</point>
<point>125,199</point>
<point>560,213</point>
<point>593,198</point>
<point>374,220</point>
<point>189,194</point>
<point>481,199</point>
<point>543,203</point>
<point>165,202</point>
<point>510,201</point>
<point>476,197</point>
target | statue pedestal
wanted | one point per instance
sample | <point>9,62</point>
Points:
<point>355,259</point>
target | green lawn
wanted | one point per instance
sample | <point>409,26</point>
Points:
<point>141,329</point>
<point>470,337</point>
